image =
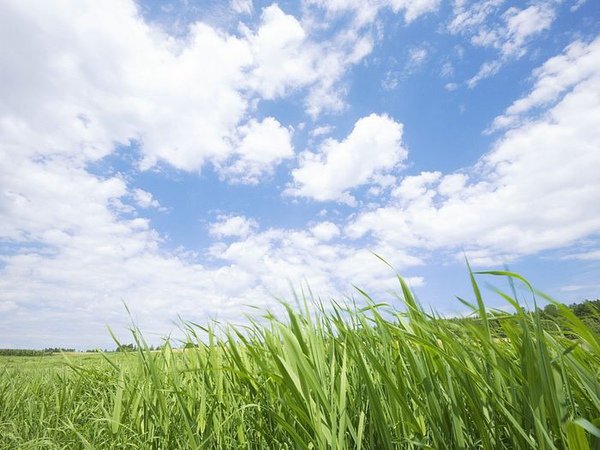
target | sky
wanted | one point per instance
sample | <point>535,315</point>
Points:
<point>197,160</point>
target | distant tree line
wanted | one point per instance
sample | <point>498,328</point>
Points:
<point>588,311</point>
<point>29,352</point>
<point>126,348</point>
<point>133,348</point>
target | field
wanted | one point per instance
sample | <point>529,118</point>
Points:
<point>363,377</point>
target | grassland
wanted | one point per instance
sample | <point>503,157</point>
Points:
<point>347,377</point>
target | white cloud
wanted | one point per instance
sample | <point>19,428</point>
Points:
<point>6,307</point>
<point>325,231</point>
<point>469,16</point>
<point>556,76</point>
<point>322,131</point>
<point>447,70</point>
<point>80,257</point>
<point>278,257</point>
<point>263,146</point>
<point>519,26</point>
<point>415,187</point>
<point>453,184</point>
<point>374,147</point>
<point>233,226</point>
<point>286,59</point>
<point>241,6</point>
<point>592,255</point>
<point>366,11</point>
<point>510,34</point>
<point>51,200</point>
<point>391,80</point>
<point>486,70</point>
<point>577,4</point>
<point>416,58</point>
<point>87,85</point>
<point>579,287</point>
<point>144,199</point>
<point>346,49</point>
<point>537,189</point>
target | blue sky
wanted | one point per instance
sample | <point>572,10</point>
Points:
<point>190,158</point>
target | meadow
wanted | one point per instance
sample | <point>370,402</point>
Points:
<point>352,375</point>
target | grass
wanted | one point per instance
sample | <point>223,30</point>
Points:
<point>344,377</point>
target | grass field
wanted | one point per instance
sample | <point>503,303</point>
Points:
<point>347,377</point>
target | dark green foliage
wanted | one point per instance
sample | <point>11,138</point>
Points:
<point>551,317</point>
<point>587,311</point>
<point>125,348</point>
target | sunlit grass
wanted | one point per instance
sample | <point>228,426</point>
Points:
<point>347,377</point>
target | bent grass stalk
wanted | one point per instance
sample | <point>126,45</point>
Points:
<point>345,377</point>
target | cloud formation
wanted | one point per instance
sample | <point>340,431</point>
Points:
<point>537,189</point>
<point>366,11</point>
<point>87,86</point>
<point>509,33</point>
<point>374,147</point>
<point>96,77</point>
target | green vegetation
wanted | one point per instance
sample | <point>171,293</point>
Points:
<point>346,377</point>
<point>28,352</point>
<point>551,318</point>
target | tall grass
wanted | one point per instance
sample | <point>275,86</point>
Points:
<point>343,377</point>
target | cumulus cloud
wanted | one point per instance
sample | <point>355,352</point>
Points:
<point>277,257</point>
<point>80,257</point>
<point>415,187</point>
<point>537,189</point>
<point>233,226</point>
<point>287,59</point>
<point>87,86</point>
<point>97,77</point>
<point>283,58</point>
<point>325,231</point>
<point>263,145</point>
<point>374,147</point>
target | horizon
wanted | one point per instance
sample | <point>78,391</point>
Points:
<point>189,158</point>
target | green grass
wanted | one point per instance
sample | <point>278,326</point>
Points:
<point>347,377</point>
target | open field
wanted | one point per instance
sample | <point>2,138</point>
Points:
<point>363,378</point>
<point>58,362</point>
